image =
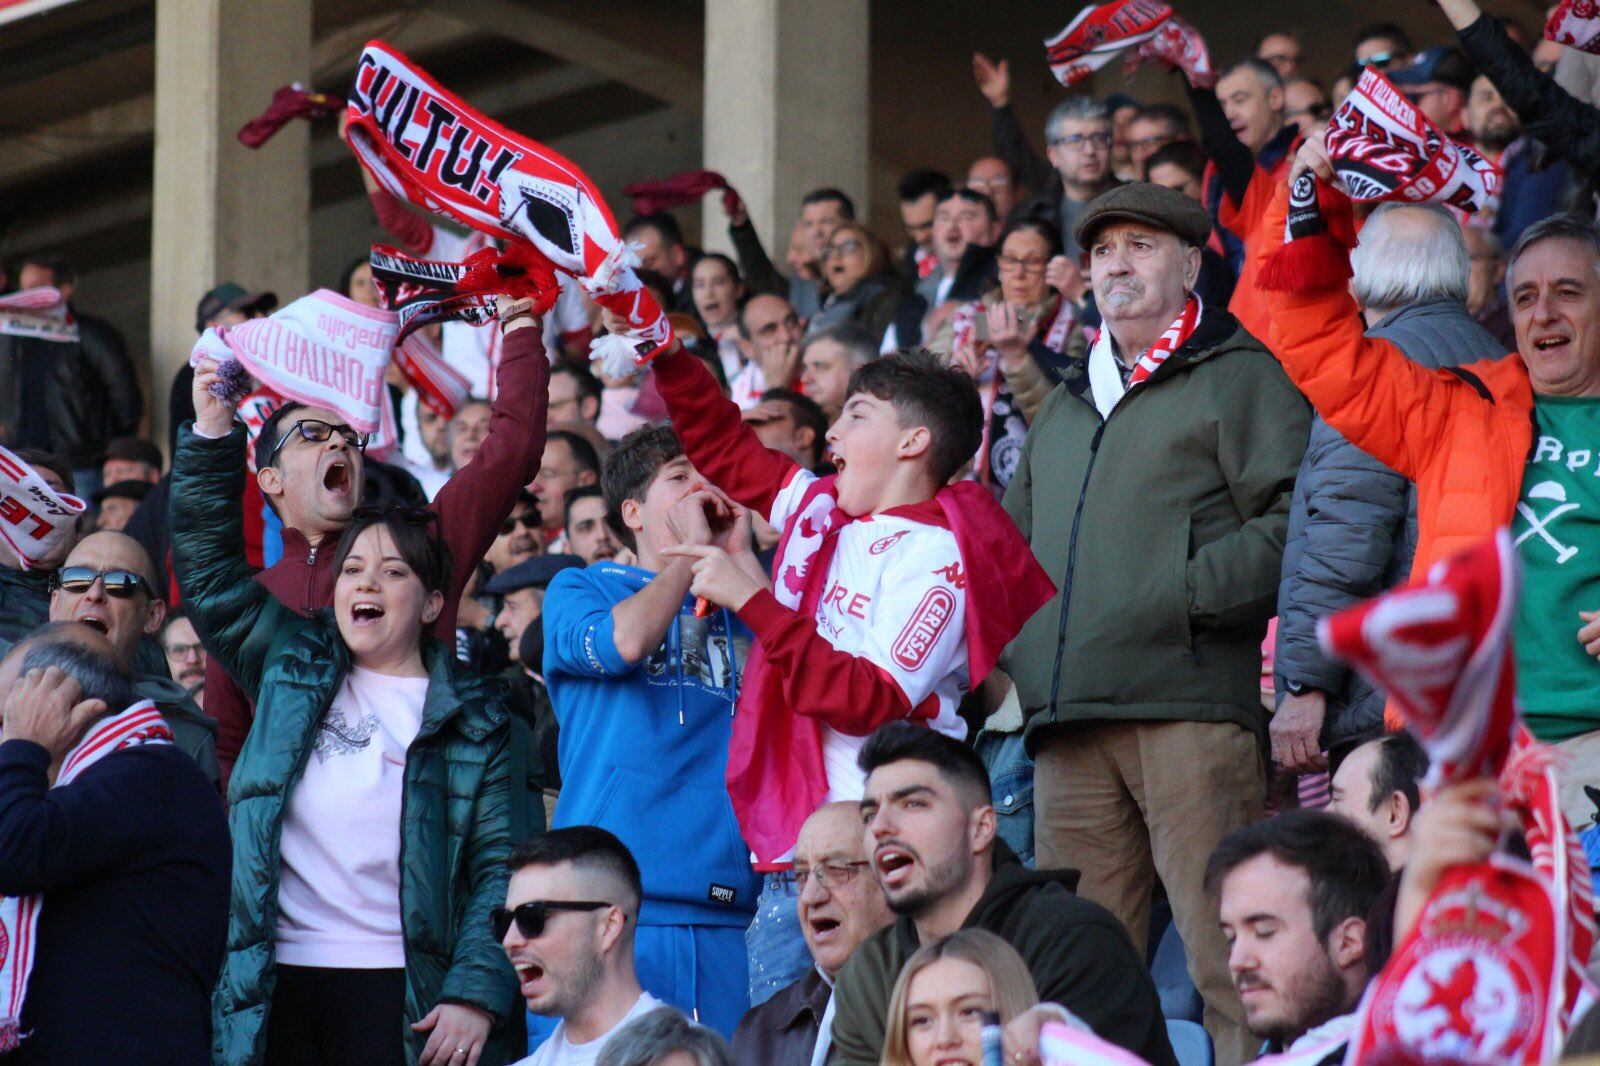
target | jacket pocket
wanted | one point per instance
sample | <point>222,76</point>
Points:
<point>1176,594</point>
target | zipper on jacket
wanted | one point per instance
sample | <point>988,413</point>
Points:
<point>1072,560</point>
<point>311,557</point>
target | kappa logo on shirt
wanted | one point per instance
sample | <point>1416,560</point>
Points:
<point>884,544</point>
<point>923,628</point>
<point>952,574</point>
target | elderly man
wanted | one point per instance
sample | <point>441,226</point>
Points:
<point>1282,50</point>
<point>1154,487</point>
<point>1494,443</point>
<point>1352,522</point>
<point>108,584</point>
<point>1295,892</point>
<point>840,904</point>
<point>991,175</point>
<point>120,846</point>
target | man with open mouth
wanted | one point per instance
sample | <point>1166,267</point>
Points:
<point>310,466</point>
<point>930,835</point>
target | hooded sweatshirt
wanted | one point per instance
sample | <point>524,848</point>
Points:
<point>1079,955</point>
<point>643,748</point>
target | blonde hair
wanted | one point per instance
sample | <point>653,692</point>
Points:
<point>1010,984</point>
<point>877,255</point>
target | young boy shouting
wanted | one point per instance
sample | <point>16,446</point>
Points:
<point>871,616</point>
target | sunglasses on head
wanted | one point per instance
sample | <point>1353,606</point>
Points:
<point>377,512</point>
<point>316,431</point>
<point>530,917</point>
<point>121,584</point>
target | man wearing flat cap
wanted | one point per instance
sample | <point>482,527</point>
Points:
<point>1154,486</point>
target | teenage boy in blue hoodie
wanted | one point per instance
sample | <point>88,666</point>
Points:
<point>644,692</point>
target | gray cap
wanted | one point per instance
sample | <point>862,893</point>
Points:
<point>1142,201</point>
<point>533,573</point>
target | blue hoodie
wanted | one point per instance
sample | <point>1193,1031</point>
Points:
<point>644,749</point>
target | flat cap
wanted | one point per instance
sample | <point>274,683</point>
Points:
<point>533,573</point>
<point>1142,201</point>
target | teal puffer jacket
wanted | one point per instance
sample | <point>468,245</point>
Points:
<point>456,821</point>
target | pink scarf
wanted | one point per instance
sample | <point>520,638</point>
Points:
<point>423,143</point>
<point>776,775</point>
<point>1494,966</point>
<point>40,312</point>
<point>33,516</point>
<point>19,915</point>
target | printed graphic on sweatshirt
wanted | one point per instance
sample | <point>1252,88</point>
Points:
<point>701,655</point>
<point>338,735</point>
<point>1559,508</point>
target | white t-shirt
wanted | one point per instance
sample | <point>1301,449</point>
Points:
<point>558,1051</point>
<point>339,890</point>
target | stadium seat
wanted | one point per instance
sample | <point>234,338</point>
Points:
<point>1180,1000</point>
<point>1190,1043</point>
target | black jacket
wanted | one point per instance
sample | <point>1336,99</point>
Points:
<point>1352,529</point>
<point>69,398</point>
<point>1079,955</point>
<point>974,274</point>
<point>133,860</point>
<point>783,1030</point>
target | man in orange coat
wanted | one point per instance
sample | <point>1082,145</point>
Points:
<point>1510,442</point>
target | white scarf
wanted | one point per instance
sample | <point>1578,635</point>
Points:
<point>33,516</point>
<point>1105,380</point>
<point>40,312</point>
<point>19,915</point>
<point>323,350</point>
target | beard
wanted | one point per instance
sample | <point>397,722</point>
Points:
<point>941,879</point>
<point>1498,132</point>
<point>1119,294</point>
<point>577,987</point>
<point>1309,998</point>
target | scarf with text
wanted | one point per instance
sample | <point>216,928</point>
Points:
<point>1105,380</point>
<point>1383,148</point>
<point>1099,34</point>
<point>19,915</point>
<point>34,518</point>
<point>425,291</point>
<point>776,773</point>
<point>40,312</point>
<point>426,145</point>
<point>324,350</point>
<point>1493,968</point>
<point>1576,24</point>
<point>289,102</point>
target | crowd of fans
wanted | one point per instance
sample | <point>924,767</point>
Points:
<point>925,644</point>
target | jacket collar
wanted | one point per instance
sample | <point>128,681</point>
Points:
<point>1425,309</point>
<point>802,1003</point>
<point>1274,151</point>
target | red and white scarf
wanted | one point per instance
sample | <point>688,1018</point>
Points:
<point>1383,148</point>
<point>423,143</point>
<point>1493,969</point>
<point>34,518</point>
<point>19,915</point>
<point>776,773</point>
<point>40,312</point>
<point>1099,33</point>
<point>1179,46</point>
<point>324,350</point>
<point>440,387</point>
<point>1061,1044</point>
<point>1576,24</point>
<point>1105,380</point>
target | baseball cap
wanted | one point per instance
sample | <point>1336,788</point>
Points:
<point>231,296</point>
<point>1446,66</point>
<point>127,490</point>
<point>533,573</point>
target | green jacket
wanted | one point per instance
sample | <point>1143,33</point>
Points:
<point>24,604</point>
<point>456,823</point>
<point>1163,527</point>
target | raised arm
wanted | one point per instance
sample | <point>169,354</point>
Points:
<point>714,435</point>
<point>1233,160</point>
<point>479,496</point>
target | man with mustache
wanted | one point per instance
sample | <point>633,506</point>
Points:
<point>1154,487</point>
<point>930,834</point>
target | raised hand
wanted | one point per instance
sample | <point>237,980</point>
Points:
<point>994,79</point>
<point>213,415</point>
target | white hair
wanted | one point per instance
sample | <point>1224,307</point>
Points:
<point>1398,266</point>
<point>1074,108</point>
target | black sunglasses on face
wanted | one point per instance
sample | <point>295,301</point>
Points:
<point>316,431</point>
<point>528,521</point>
<point>530,917</point>
<point>121,584</point>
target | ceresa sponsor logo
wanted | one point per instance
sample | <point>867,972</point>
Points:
<point>923,628</point>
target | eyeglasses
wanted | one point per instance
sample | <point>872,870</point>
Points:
<point>1024,266</point>
<point>529,520</point>
<point>1150,144</point>
<point>184,651</point>
<point>531,917</point>
<point>121,584</point>
<point>316,431</point>
<point>983,184</point>
<point>1076,141</point>
<point>828,874</point>
<point>846,247</point>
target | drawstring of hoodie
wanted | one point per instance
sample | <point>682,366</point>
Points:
<point>694,973</point>
<point>733,661</point>
<point>677,665</point>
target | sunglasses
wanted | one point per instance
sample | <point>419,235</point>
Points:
<point>121,584</point>
<point>316,431</point>
<point>411,516</point>
<point>530,917</point>
<point>528,521</point>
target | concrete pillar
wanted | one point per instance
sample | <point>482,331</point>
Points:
<point>223,212</point>
<point>786,107</point>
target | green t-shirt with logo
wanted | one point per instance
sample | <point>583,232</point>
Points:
<point>1557,533</point>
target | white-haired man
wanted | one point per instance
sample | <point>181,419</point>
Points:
<point>1352,521</point>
